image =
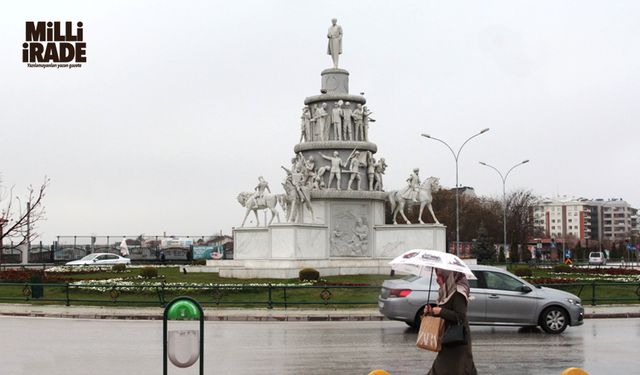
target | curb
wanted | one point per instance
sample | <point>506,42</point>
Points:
<point>611,315</point>
<point>212,318</point>
<point>261,318</point>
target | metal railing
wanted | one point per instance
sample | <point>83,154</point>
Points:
<point>618,292</point>
<point>268,295</point>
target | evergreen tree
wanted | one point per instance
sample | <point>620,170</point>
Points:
<point>514,255</point>
<point>483,248</point>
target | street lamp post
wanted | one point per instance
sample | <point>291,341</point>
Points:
<point>504,196</point>
<point>456,155</point>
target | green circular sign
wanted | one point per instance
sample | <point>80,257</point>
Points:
<point>183,310</point>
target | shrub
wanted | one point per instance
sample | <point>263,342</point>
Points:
<point>149,272</point>
<point>523,271</point>
<point>562,268</point>
<point>119,267</point>
<point>309,274</point>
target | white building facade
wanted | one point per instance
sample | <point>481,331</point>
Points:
<point>585,219</point>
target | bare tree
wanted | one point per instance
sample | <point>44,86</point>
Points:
<point>520,205</point>
<point>18,217</point>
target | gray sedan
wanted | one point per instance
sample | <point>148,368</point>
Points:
<point>497,298</point>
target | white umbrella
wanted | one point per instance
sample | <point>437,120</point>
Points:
<point>124,249</point>
<point>421,262</point>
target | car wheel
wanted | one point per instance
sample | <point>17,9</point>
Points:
<point>412,324</point>
<point>554,320</point>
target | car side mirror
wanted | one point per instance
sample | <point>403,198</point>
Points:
<point>94,260</point>
<point>525,289</point>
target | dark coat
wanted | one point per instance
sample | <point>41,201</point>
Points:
<point>455,360</point>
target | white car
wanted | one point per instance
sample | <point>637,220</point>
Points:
<point>100,259</point>
<point>597,258</point>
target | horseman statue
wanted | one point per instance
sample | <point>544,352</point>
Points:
<point>297,195</point>
<point>414,193</point>
<point>259,200</point>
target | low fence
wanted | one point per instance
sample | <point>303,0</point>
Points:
<point>267,295</point>
<point>599,293</point>
<point>142,249</point>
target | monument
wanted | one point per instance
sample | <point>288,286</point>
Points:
<point>334,198</point>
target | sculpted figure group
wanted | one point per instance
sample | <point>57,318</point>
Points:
<point>341,123</point>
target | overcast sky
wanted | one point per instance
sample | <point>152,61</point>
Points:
<point>181,105</point>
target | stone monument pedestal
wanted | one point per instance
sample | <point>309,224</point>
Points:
<point>281,250</point>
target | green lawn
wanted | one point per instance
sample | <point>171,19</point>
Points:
<point>210,289</point>
<point>207,288</point>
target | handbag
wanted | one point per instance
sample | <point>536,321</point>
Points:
<point>455,335</point>
<point>430,333</point>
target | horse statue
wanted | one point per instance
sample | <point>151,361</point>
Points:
<point>423,197</point>
<point>297,197</point>
<point>268,201</point>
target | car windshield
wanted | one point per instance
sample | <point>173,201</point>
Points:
<point>595,255</point>
<point>89,257</point>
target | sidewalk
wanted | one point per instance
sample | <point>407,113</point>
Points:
<point>237,314</point>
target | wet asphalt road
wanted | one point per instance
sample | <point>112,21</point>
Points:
<point>77,346</point>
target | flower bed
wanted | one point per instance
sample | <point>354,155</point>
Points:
<point>139,285</point>
<point>22,276</point>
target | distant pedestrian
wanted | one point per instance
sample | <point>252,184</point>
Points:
<point>162,256</point>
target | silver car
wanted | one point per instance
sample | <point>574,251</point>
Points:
<point>498,297</point>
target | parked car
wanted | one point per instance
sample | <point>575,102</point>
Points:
<point>100,259</point>
<point>498,297</point>
<point>597,258</point>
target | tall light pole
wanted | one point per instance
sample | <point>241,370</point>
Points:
<point>456,156</point>
<point>504,196</point>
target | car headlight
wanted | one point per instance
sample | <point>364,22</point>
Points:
<point>574,301</point>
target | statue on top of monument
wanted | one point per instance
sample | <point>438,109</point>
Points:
<point>336,120</point>
<point>336,163</point>
<point>347,127</point>
<point>410,192</point>
<point>366,118</point>
<point>335,42</point>
<point>306,132</point>
<point>259,192</point>
<point>379,168</point>
<point>358,118</point>
<point>354,169</point>
<point>371,169</point>
<point>321,118</point>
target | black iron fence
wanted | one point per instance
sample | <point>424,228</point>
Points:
<point>250,295</point>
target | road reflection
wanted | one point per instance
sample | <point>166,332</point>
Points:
<point>601,346</point>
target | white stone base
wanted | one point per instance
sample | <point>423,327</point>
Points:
<point>393,240</point>
<point>288,269</point>
<point>281,250</point>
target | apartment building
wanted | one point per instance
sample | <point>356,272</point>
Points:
<point>585,219</point>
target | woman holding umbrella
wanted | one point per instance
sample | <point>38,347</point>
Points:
<point>453,297</point>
